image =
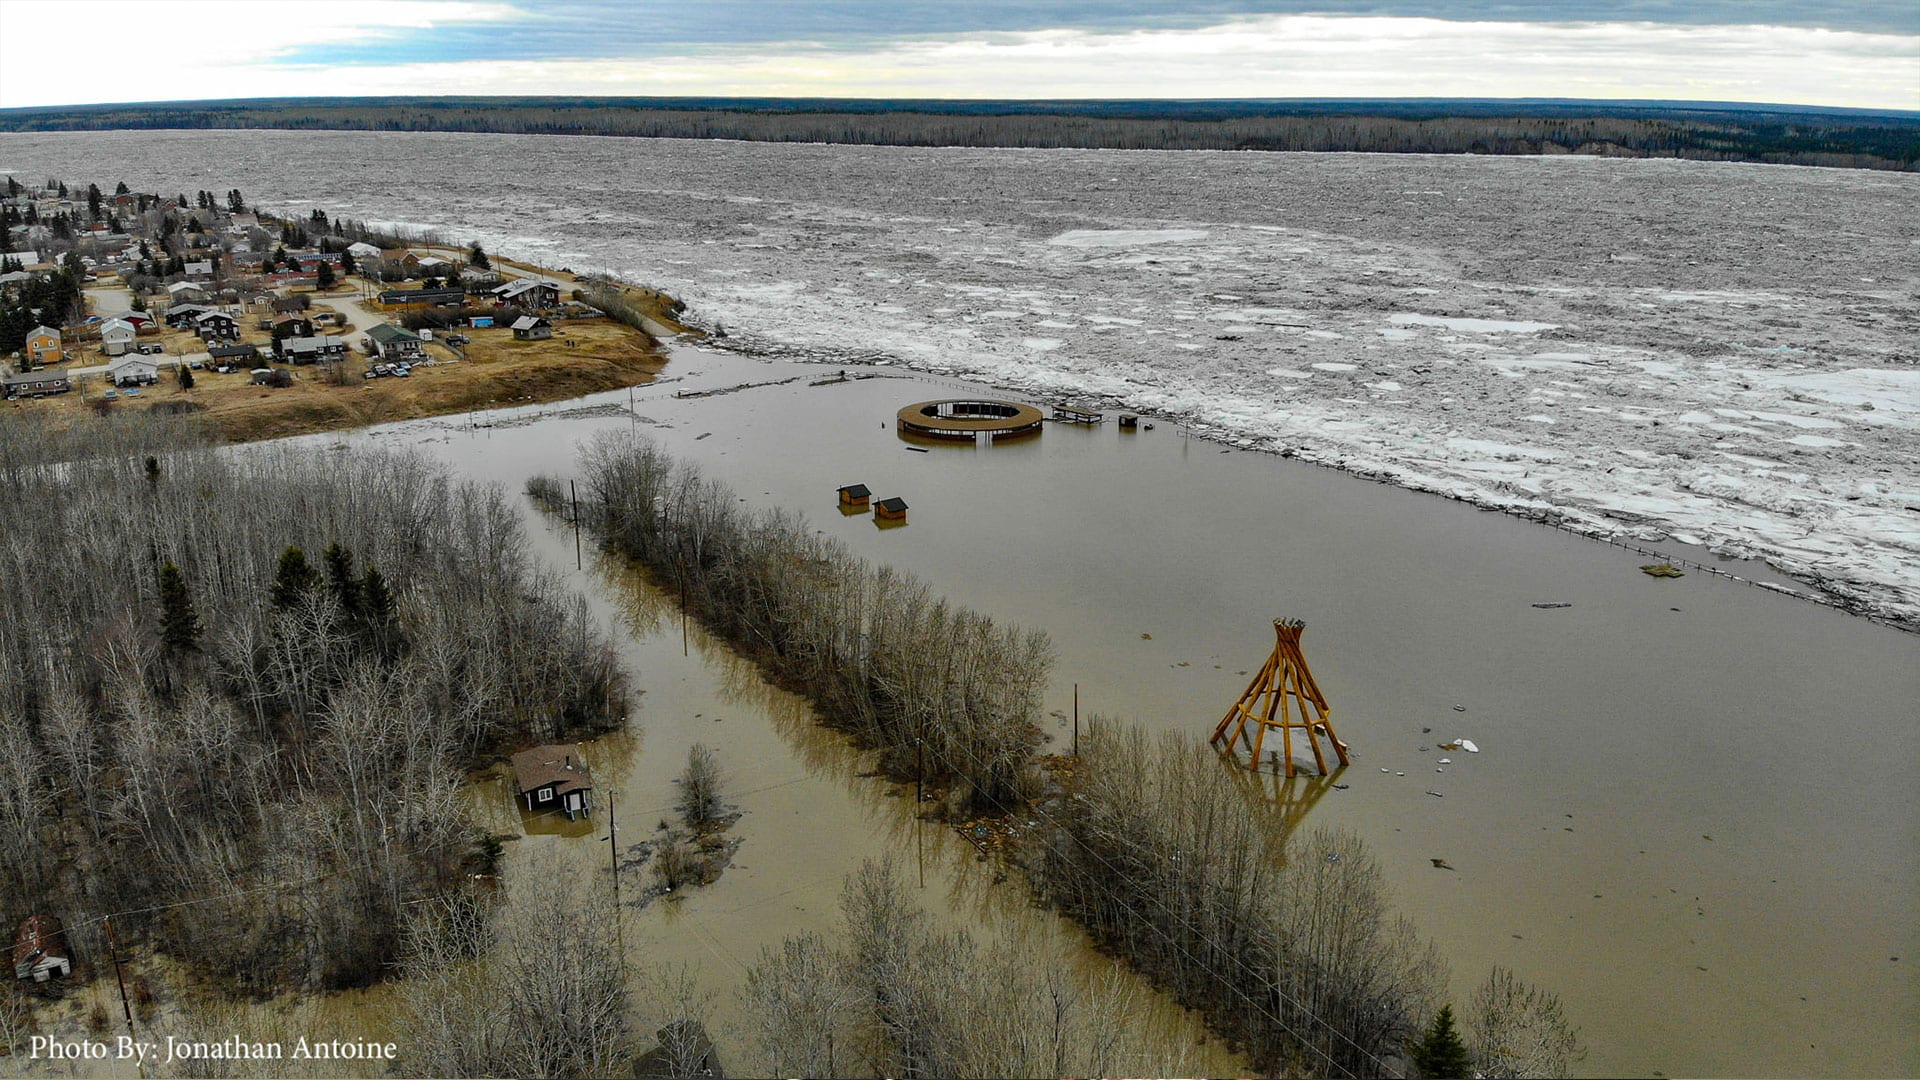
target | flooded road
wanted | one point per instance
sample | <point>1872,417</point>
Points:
<point>1692,813</point>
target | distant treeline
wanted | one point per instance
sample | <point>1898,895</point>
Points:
<point>1787,135</point>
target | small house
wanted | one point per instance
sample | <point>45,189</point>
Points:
<point>216,326</point>
<point>234,353</point>
<point>312,350</point>
<point>292,325</point>
<point>187,291</point>
<point>532,328</point>
<point>553,778</point>
<point>133,370</point>
<point>1129,422</point>
<point>855,497</point>
<point>33,384</point>
<point>116,337</point>
<point>538,293</point>
<point>290,305</point>
<point>200,271</point>
<point>40,949</point>
<point>43,345</point>
<point>422,299</point>
<point>390,342</point>
<point>894,509</point>
<point>180,315</point>
<point>362,250</point>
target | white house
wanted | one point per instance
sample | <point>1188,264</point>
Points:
<point>186,290</point>
<point>133,370</point>
<point>200,271</point>
<point>363,250</point>
<point>116,337</point>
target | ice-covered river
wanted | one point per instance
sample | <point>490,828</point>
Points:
<point>1722,353</point>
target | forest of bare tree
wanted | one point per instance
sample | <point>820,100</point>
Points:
<point>1784,135</point>
<point>239,691</point>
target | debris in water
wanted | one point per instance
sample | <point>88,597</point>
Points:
<point>1146,637</point>
<point>1555,604</point>
<point>1450,745</point>
<point>1435,794</point>
<point>1665,569</point>
<point>1426,731</point>
<point>1423,749</point>
<point>1459,708</point>
<point>1467,745</point>
<point>1446,761</point>
<point>1343,787</point>
<point>1386,770</point>
<point>918,449</point>
<point>1441,863</point>
<point>1439,770</point>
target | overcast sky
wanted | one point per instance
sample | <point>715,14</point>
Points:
<point>1861,53</point>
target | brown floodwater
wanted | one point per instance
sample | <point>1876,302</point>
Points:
<point>1692,814</point>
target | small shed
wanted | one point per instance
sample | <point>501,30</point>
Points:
<point>532,328</point>
<point>554,778</point>
<point>40,949</point>
<point>894,509</point>
<point>855,496</point>
<point>1129,422</point>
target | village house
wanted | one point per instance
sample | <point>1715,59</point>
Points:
<point>532,328</point>
<point>43,345</point>
<point>216,326</point>
<point>474,275</point>
<point>292,325</point>
<point>421,299</point>
<point>236,353</point>
<point>539,293</point>
<point>40,949</point>
<point>361,250</point>
<point>133,370</point>
<point>553,778</point>
<point>190,291</point>
<point>390,342</point>
<point>311,350</point>
<point>200,271</point>
<point>399,262</point>
<point>183,315</point>
<point>33,384</point>
<point>116,336</point>
<point>288,304</point>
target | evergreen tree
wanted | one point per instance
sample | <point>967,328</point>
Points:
<point>179,623</point>
<point>186,377</point>
<point>380,614</point>
<point>153,471</point>
<point>346,588</point>
<point>93,201</point>
<point>323,276</point>
<point>478,258</point>
<point>1440,1054</point>
<point>122,189</point>
<point>293,580</point>
<point>346,262</point>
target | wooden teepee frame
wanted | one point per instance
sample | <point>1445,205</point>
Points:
<point>1265,704</point>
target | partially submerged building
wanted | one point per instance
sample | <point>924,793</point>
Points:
<point>554,778</point>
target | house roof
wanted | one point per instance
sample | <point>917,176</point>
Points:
<point>315,344</point>
<point>43,331</point>
<point>40,936</point>
<point>111,324</point>
<point>561,766</point>
<point>28,377</point>
<point>858,491</point>
<point>895,503</point>
<point>528,322</point>
<point>221,352</point>
<point>133,360</point>
<point>389,334</point>
<point>208,315</point>
<point>183,286</point>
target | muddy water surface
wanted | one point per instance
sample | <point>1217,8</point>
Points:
<point>1692,813</point>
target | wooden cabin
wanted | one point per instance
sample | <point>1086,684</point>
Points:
<point>855,497</point>
<point>40,950</point>
<point>894,509</point>
<point>554,778</point>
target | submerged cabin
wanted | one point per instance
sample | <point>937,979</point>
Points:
<point>554,778</point>
<point>855,496</point>
<point>40,950</point>
<point>1129,421</point>
<point>894,509</point>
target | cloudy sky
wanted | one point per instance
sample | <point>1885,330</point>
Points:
<point>1861,53</point>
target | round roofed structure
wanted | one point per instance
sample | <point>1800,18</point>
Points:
<point>968,418</point>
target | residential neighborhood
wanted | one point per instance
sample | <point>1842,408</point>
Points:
<point>103,295</point>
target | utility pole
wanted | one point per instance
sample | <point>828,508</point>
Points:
<point>113,949</point>
<point>1076,720</point>
<point>613,846</point>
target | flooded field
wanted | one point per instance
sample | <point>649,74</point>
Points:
<point>1691,813</point>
